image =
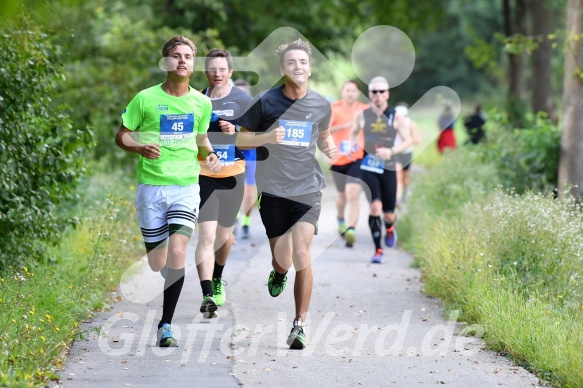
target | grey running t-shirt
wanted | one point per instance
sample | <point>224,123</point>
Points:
<point>289,168</point>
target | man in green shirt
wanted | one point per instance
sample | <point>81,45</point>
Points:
<point>166,125</point>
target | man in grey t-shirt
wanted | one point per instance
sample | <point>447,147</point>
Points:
<point>287,123</point>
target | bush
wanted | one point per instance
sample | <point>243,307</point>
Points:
<point>42,155</point>
<point>526,158</point>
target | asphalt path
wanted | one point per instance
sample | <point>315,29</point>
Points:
<point>369,324</point>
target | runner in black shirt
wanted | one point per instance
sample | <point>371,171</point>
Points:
<point>380,124</point>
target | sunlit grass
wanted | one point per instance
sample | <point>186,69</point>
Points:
<point>511,263</point>
<point>43,305</point>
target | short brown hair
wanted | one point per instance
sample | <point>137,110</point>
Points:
<point>218,53</point>
<point>298,44</point>
<point>350,81</point>
<point>177,40</point>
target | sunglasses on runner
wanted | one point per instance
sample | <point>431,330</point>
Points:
<point>377,91</point>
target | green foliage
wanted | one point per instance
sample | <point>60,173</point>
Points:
<point>525,158</point>
<point>43,305</point>
<point>327,24</point>
<point>517,44</point>
<point>11,11</point>
<point>42,154</point>
<point>113,50</point>
<point>461,177</point>
<point>443,55</point>
<point>484,55</point>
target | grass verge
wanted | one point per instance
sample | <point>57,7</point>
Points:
<point>43,305</point>
<point>509,262</point>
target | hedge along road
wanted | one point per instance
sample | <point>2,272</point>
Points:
<point>369,324</point>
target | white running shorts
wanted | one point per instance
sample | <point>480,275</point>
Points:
<point>160,206</point>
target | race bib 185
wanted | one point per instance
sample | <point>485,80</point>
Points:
<point>297,133</point>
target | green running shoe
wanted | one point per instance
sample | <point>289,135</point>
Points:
<point>297,337</point>
<point>208,307</point>
<point>349,236</point>
<point>164,335</point>
<point>276,283</point>
<point>341,228</point>
<point>219,293</point>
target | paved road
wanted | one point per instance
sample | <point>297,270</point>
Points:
<point>369,325</point>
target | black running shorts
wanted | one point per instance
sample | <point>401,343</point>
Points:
<point>280,214</point>
<point>348,173</point>
<point>220,199</point>
<point>383,187</point>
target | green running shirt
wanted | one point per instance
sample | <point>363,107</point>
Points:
<point>173,123</point>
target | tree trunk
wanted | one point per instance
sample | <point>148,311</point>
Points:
<point>541,58</point>
<point>517,61</point>
<point>515,23</point>
<point>571,165</point>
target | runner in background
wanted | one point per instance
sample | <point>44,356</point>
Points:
<point>446,123</point>
<point>346,169</point>
<point>250,196</point>
<point>403,161</point>
<point>380,124</point>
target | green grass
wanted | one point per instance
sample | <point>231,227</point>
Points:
<point>509,262</point>
<point>43,305</point>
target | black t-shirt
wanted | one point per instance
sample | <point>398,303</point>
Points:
<point>289,168</point>
<point>379,132</point>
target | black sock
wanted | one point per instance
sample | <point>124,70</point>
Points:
<point>218,271</point>
<point>375,229</point>
<point>207,287</point>
<point>388,224</point>
<point>280,276</point>
<point>172,288</point>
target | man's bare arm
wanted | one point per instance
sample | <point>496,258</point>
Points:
<point>124,139</point>
<point>247,140</point>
